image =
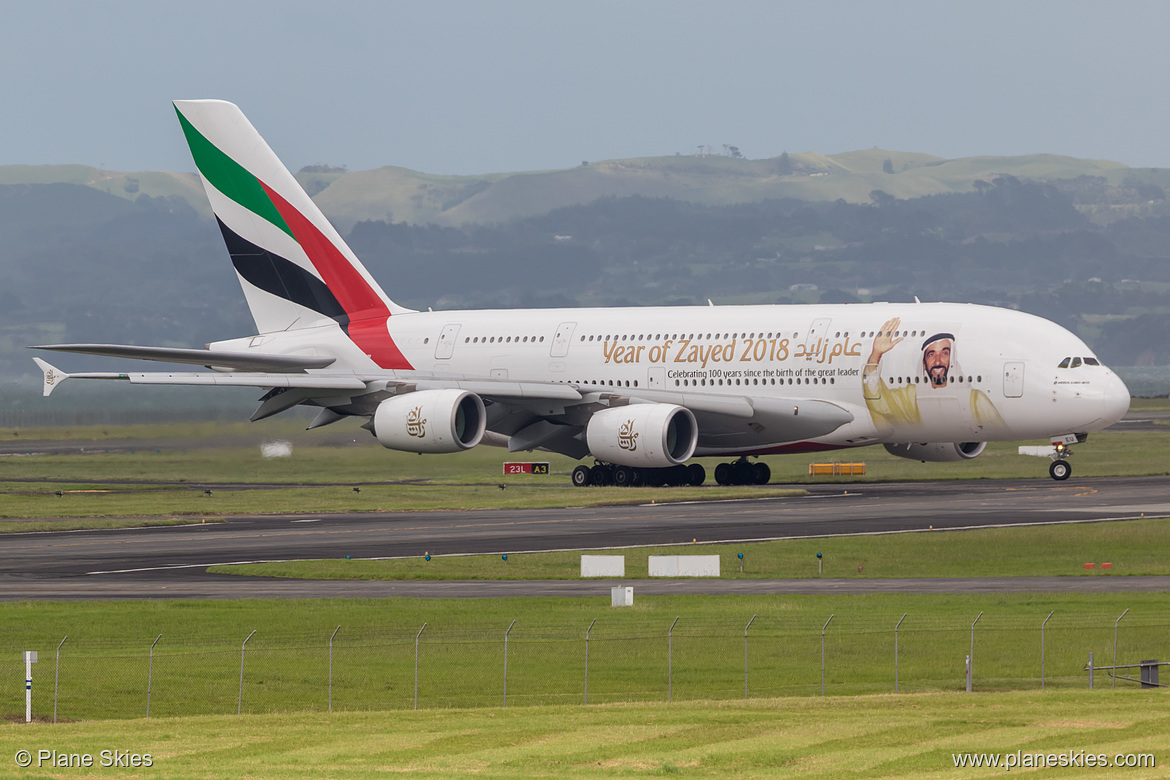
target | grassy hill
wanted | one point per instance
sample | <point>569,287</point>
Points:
<point>396,194</point>
<point>155,184</point>
<point>402,195</point>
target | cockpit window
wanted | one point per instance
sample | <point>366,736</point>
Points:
<point>1076,363</point>
<point>1092,362</point>
<point>1064,363</point>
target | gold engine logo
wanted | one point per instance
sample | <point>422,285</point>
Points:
<point>416,424</point>
<point>627,439</point>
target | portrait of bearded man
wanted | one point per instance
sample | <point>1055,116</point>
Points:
<point>930,400</point>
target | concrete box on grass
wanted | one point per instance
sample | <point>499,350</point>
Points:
<point>621,597</point>
<point>684,565</point>
<point>603,565</point>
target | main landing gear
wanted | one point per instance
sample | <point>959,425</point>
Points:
<point>740,472</point>
<point>604,474</point>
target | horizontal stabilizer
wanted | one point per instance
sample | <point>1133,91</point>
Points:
<point>241,361</point>
<point>54,377</point>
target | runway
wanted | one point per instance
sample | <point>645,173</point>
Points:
<point>169,562</point>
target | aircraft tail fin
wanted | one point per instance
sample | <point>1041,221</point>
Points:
<point>294,267</point>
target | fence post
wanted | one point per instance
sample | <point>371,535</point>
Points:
<point>419,634</point>
<point>896,650</point>
<point>1042,625</point>
<point>1113,673</point>
<point>827,622</point>
<point>506,662</point>
<point>670,662</point>
<point>1090,670</point>
<point>745,655</point>
<point>150,673</point>
<point>240,703</point>
<point>587,660</point>
<point>57,677</point>
<point>331,666</point>
<point>971,657</point>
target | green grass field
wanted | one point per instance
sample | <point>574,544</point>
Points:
<point>873,736</point>
<point>634,655</point>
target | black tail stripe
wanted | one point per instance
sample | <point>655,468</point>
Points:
<point>280,277</point>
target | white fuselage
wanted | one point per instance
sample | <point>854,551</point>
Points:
<point>1003,381</point>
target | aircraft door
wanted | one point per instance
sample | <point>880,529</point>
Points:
<point>1013,379</point>
<point>656,378</point>
<point>560,343</point>
<point>446,345</point>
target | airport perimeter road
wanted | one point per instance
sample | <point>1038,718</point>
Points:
<point>168,562</point>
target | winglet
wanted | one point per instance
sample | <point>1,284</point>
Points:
<point>53,376</point>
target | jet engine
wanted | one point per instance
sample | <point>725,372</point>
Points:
<point>643,435</point>
<point>430,421</point>
<point>938,452</point>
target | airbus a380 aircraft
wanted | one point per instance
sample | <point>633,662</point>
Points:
<point>641,390</point>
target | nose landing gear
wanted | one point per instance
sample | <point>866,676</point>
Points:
<point>1060,469</point>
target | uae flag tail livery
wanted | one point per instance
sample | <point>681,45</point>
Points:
<point>296,271</point>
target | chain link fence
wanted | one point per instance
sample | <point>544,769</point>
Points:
<point>623,658</point>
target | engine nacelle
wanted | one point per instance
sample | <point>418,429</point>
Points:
<point>938,452</point>
<point>430,421</point>
<point>648,435</point>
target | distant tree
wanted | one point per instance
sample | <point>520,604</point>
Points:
<point>888,166</point>
<point>882,199</point>
<point>784,164</point>
<point>735,152</point>
<point>981,186</point>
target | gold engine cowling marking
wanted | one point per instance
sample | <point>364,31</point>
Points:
<point>627,439</point>
<point>416,424</point>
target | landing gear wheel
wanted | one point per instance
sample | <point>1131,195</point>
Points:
<point>741,472</point>
<point>623,476</point>
<point>723,474</point>
<point>600,476</point>
<point>696,474</point>
<point>1060,470</point>
<point>761,474</point>
<point>581,476</point>
<point>654,477</point>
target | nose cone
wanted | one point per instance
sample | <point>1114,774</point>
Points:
<point>1115,400</point>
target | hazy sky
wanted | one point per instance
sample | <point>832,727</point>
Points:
<point>477,86</point>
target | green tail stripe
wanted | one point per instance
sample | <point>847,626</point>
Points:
<point>229,177</point>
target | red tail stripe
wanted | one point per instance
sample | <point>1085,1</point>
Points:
<point>367,311</point>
